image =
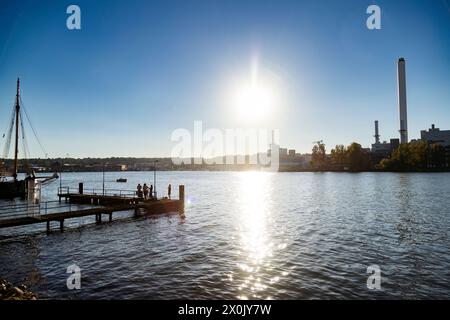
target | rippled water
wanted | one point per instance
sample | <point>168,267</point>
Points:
<point>250,235</point>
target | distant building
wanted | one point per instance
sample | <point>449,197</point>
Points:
<point>382,150</point>
<point>436,160</point>
<point>283,152</point>
<point>290,160</point>
<point>394,144</point>
<point>381,147</point>
<point>434,135</point>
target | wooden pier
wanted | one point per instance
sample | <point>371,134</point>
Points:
<point>102,204</point>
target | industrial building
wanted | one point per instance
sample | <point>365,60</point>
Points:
<point>381,150</point>
<point>439,159</point>
<point>402,107</point>
<point>435,135</point>
<point>436,158</point>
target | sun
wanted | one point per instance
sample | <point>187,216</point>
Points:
<point>254,102</point>
<point>255,97</point>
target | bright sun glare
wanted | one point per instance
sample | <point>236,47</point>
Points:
<point>254,102</point>
<point>254,99</point>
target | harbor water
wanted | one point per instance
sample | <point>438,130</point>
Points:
<point>248,235</point>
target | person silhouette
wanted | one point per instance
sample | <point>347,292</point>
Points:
<point>139,190</point>
<point>145,188</point>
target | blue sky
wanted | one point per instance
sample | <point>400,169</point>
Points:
<point>137,70</point>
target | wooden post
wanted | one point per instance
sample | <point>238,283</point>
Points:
<point>48,226</point>
<point>110,216</point>
<point>181,197</point>
<point>61,225</point>
<point>80,188</point>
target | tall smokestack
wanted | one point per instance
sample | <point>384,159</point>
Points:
<point>401,76</point>
<point>377,135</point>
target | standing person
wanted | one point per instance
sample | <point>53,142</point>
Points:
<point>151,191</point>
<point>145,188</point>
<point>169,190</point>
<point>139,190</point>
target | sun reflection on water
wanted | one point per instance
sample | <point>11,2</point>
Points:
<point>255,244</point>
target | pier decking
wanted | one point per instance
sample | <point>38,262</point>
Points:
<point>101,204</point>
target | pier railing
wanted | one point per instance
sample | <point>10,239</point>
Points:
<point>35,209</point>
<point>98,192</point>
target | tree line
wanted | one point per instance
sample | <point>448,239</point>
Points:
<point>413,156</point>
<point>353,157</point>
<point>417,156</point>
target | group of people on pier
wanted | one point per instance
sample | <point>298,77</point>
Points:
<point>146,192</point>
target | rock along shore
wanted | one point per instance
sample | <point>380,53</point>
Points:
<point>10,292</point>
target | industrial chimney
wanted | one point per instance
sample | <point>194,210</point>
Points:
<point>377,135</point>
<point>401,78</point>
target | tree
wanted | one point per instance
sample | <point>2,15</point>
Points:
<point>318,154</point>
<point>339,154</point>
<point>409,157</point>
<point>417,155</point>
<point>358,158</point>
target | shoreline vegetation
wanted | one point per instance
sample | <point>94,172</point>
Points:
<point>10,292</point>
<point>415,156</point>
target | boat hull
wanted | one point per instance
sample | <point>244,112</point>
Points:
<point>12,189</point>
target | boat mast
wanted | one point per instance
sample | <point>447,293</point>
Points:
<point>16,150</point>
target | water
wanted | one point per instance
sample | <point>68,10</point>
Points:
<point>250,235</point>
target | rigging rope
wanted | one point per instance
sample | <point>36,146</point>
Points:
<point>8,137</point>
<point>26,151</point>
<point>32,128</point>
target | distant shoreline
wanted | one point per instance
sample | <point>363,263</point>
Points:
<point>256,170</point>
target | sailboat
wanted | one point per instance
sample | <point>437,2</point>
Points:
<point>10,185</point>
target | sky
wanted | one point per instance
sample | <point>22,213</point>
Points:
<point>138,70</point>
